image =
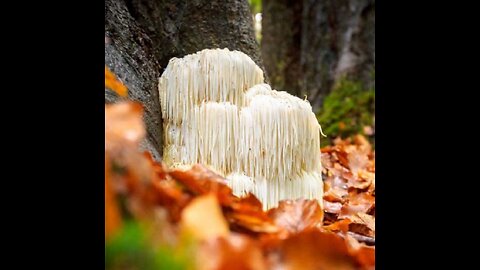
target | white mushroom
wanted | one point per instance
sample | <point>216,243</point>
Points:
<point>217,111</point>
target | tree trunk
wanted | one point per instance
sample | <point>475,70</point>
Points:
<point>141,36</point>
<point>337,39</point>
<point>281,46</point>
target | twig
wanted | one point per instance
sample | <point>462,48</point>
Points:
<point>362,238</point>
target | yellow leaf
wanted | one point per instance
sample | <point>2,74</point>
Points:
<point>203,218</point>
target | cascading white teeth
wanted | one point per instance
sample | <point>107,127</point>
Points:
<point>217,111</point>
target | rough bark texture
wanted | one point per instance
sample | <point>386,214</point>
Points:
<point>129,54</point>
<point>337,38</point>
<point>281,46</point>
<point>141,36</point>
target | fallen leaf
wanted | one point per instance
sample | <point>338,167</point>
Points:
<point>123,124</point>
<point>367,220</point>
<point>203,218</point>
<point>256,221</point>
<point>368,240</point>
<point>342,158</point>
<point>335,194</point>
<point>365,255</point>
<point>362,223</point>
<point>171,197</point>
<point>341,225</point>
<point>332,207</point>
<point>313,250</point>
<point>371,211</point>
<point>113,83</point>
<point>249,201</point>
<point>297,215</point>
<point>361,141</point>
<point>367,177</point>
<point>357,160</point>
<point>113,219</point>
<point>200,180</point>
<point>233,252</point>
<point>234,232</point>
<point>358,203</point>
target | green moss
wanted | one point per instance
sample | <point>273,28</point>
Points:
<point>255,6</point>
<point>131,249</point>
<point>347,110</point>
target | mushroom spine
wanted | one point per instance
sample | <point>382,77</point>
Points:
<point>217,111</point>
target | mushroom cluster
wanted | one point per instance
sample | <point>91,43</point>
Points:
<point>218,111</point>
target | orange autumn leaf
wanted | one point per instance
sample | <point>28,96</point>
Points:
<point>233,252</point>
<point>113,83</point>
<point>365,255</point>
<point>247,214</point>
<point>361,202</point>
<point>234,232</point>
<point>113,219</point>
<point>203,218</point>
<point>252,221</point>
<point>297,215</point>
<point>124,125</point>
<point>242,213</point>
<point>200,180</point>
<point>332,207</point>
<point>341,225</point>
<point>363,224</point>
<point>314,249</point>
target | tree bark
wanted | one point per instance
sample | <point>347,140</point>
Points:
<point>337,38</point>
<point>281,46</point>
<point>141,36</point>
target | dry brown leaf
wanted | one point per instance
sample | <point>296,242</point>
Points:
<point>297,215</point>
<point>200,180</point>
<point>341,225</point>
<point>248,214</point>
<point>362,142</point>
<point>362,224</point>
<point>234,252</point>
<point>365,255</point>
<point>203,218</point>
<point>113,220</point>
<point>290,236</point>
<point>313,250</point>
<point>131,173</point>
<point>367,220</point>
<point>362,179</point>
<point>332,207</point>
<point>335,194</point>
<point>249,201</point>
<point>358,203</point>
<point>371,189</point>
<point>257,222</point>
<point>171,197</point>
<point>359,184</point>
<point>123,125</point>
<point>357,159</point>
<point>371,211</point>
<point>342,158</point>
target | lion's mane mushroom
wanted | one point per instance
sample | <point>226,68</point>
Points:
<point>217,111</point>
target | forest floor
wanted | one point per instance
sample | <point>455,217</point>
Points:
<point>161,218</point>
